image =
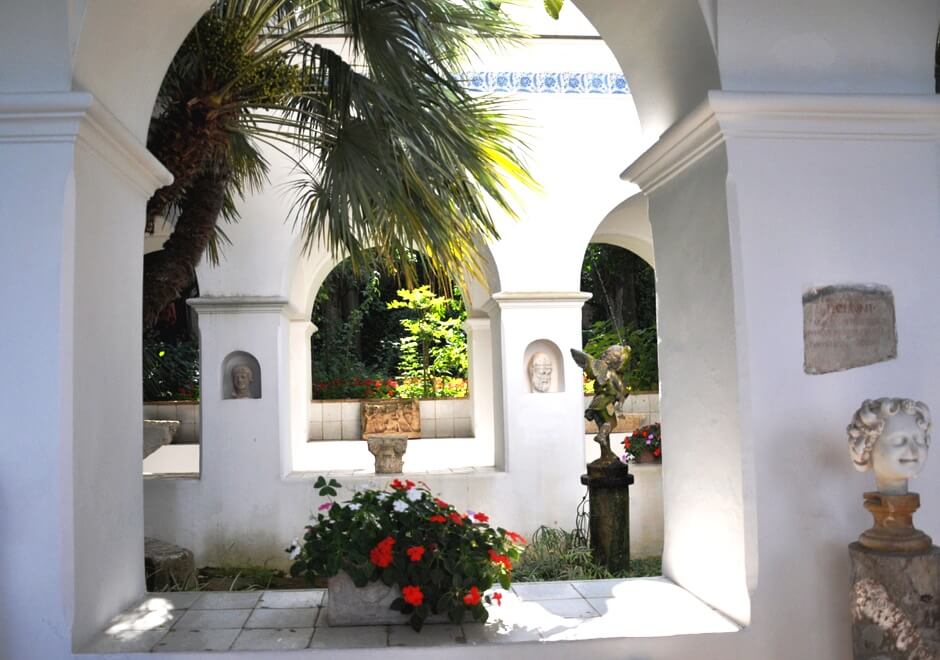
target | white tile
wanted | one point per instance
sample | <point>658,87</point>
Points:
<point>187,413</point>
<point>426,408</point>
<point>654,403</point>
<point>295,617</point>
<point>463,407</point>
<point>332,411</point>
<point>349,410</point>
<point>304,598</point>
<point>463,427</point>
<point>227,600</point>
<point>315,430</point>
<point>545,590</point>
<point>316,411</point>
<point>445,634</point>
<point>569,608</point>
<point>212,619</point>
<point>273,640</point>
<point>444,409</point>
<point>332,430</point>
<point>498,632</point>
<point>598,588</point>
<point>141,619</point>
<point>445,427</point>
<point>351,430</point>
<point>196,640</point>
<point>349,637</point>
<point>129,641</point>
<point>173,599</point>
<point>428,428</point>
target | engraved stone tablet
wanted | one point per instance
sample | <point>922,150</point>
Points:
<point>847,326</point>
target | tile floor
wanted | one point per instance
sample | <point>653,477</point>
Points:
<point>292,620</point>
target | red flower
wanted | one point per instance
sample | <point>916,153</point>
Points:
<point>381,554</point>
<point>500,559</point>
<point>437,519</point>
<point>415,552</point>
<point>412,595</point>
<point>455,517</point>
<point>409,484</point>
<point>498,597</point>
<point>657,452</point>
<point>516,538</point>
<point>473,597</point>
<point>481,517</point>
<point>397,484</point>
<point>441,503</point>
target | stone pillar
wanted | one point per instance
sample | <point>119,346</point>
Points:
<point>609,490</point>
<point>895,604</point>
<point>300,393</point>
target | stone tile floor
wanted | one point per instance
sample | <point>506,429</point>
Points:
<point>535,612</point>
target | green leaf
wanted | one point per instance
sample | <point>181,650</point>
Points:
<point>553,7</point>
<point>320,482</point>
<point>398,604</point>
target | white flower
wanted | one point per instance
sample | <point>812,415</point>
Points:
<point>295,548</point>
<point>413,494</point>
<point>400,505</point>
<point>382,497</point>
<point>355,506</point>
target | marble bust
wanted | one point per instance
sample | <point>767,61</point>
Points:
<point>890,437</point>
<point>242,378</point>
<point>540,372</point>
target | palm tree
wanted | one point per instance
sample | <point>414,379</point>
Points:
<point>392,151</point>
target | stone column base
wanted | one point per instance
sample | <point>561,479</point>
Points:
<point>895,604</point>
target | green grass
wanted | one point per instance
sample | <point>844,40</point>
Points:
<point>556,554</point>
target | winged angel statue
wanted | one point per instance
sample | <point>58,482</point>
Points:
<point>610,391</point>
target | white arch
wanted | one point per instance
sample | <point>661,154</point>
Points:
<point>628,226</point>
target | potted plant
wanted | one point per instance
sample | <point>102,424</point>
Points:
<point>645,445</point>
<point>409,554</point>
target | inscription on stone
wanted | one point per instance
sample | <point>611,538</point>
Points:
<point>847,326</point>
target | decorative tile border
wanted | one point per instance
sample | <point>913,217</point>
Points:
<point>547,82</point>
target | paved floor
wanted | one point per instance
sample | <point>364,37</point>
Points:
<point>534,612</point>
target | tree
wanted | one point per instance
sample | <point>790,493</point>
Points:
<point>393,152</point>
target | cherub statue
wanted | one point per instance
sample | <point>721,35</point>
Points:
<point>610,391</point>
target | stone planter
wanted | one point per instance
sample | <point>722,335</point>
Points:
<point>350,605</point>
<point>391,418</point>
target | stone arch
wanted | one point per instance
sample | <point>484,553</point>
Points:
<point>628,226</point>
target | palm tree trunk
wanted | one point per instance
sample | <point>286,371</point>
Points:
<point>169,271</point>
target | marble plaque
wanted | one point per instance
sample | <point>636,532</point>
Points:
<point>847,326</point>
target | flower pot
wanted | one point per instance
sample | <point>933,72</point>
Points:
<point>646,456</point>
<point>350,605</point>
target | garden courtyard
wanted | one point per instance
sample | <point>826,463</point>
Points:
<point>382,361</point>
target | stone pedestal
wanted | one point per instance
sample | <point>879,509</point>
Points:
<point>894,529</point>
<point>895,604</point>
<point>608,491</point>
<point>389,452</point>
<point>168,566</point>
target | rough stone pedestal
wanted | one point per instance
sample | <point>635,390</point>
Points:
<point>158,432</point>
<point>609,525</point>
<point>389,451</point>
<point>168,566</point>
<point>895,604</point>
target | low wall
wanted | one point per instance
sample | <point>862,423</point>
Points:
<point>185,412</point>
<point>340,420</point>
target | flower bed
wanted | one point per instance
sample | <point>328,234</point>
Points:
<point>441,560</point>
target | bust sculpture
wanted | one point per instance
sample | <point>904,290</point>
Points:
<point>242,378</point>
<point>540,372</point>
<point>610,391</point>
<point>891,437</point>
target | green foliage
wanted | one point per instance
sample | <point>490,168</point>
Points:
<point>171,371</point>
<point>556,554</point>
<point>441,559</point>
<point>643,368</point>
<point>553,7</point>
<point>435,347</point>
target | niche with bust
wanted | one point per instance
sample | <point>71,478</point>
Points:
<point>241,376</point>
<point>544,368</point>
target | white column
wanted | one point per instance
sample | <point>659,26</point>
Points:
<point>482,395</point>
<point>543,432</point>
<point>73,189</point>
<point>301,330</point>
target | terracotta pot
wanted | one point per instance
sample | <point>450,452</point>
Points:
<point>646,456</point>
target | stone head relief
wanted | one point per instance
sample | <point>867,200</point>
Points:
<point>891,437</point>
<point>540,372</point>
<point>242,378</point>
